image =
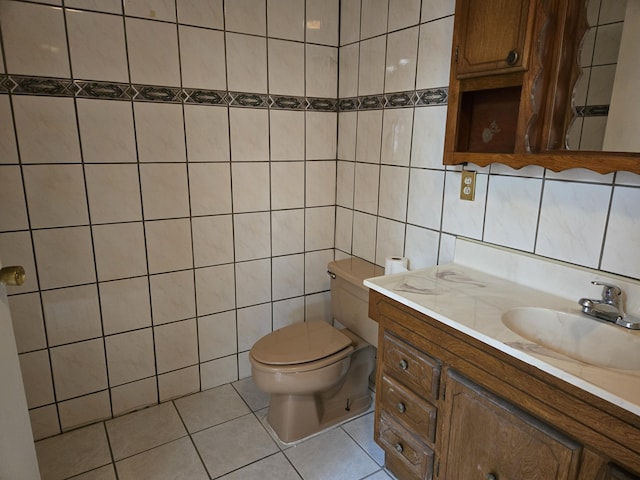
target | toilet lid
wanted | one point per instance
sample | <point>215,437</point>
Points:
<point>299,343</point>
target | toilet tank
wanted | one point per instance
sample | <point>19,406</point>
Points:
<point>350,298</point>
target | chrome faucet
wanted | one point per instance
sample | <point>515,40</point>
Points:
<point>610,308</point>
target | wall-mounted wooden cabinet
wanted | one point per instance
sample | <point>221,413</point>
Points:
<point>500,73</point>
<point>513,70</point>
<point>493,36</point>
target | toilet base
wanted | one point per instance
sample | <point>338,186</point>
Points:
<point>293,417</point>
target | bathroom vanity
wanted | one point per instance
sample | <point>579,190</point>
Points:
<point>461,395</point>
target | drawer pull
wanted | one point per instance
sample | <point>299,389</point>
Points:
<point>491,476</point>
<point>400,448</point>
<point>401,407</point>
<point>404,365</point>
<point>512,59</point>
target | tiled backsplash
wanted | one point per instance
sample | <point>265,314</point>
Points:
<point>173,186</point>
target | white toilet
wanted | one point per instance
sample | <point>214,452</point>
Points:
<point>316,374</point>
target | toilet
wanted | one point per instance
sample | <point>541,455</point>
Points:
<point>317,374</point>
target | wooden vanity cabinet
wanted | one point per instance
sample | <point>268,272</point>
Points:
<point>449,407</point>
<point>501,441</point>
<point>406,415</point>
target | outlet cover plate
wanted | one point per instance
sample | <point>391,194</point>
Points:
<point>468,185</point>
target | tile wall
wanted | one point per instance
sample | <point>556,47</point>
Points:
<point>169,175</point>
<point>395,198</point>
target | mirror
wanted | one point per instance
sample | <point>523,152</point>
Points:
<point>606,99</point>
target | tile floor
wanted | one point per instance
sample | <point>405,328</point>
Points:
<point>219,433</point>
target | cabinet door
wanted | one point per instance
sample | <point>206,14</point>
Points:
<point>614,473</point>
<point>491,36</point>
<point>491,439</point>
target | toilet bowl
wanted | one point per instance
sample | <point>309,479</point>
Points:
<point>317,375</point>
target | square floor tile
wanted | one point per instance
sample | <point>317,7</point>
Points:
<point>331,455</point>
<point>140,431</point>
<point>255,398</point>
<point>234,444</point>
<point>275,466</point>
<point>73,453</point>
<point>103,473</point>
<point>381,475</point>
<point>211,407</point>
<point>361,430</point>
<point>177,459</point>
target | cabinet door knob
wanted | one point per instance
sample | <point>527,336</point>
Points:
<point>399,447</point>
<point>491,476</point>
<point>404,364</point>
<point>401,407</point>
<point>512,57</point>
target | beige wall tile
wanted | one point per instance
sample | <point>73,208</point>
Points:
<point>132,396</point>
<point>215,289</point>
<point>13,215</point>
<point>246,62</point>
<point>106,129</point>
<point>97,46</point>
<point>160,132</point>
<point>176,345</point>
<point>203,14</point>
<point>217,335</point>
<point>165,191</point>
<point>28,323</point>
<point>119,250</point>
<point>125,305</point>
<point>168,245</point>
<point>153,52</point>
<point>114,193</point>
<point>25,28</point>
<point>246,16</point>
<point>202,58</point>
<point>130,356</point>
<point>64,256</point>
<point>84,410</point>
<point>285,19</point>
<point>56,195</point>
<point>178,383</point>
<point>79,368</point>
<point>72,314</point>
<point>210,188</point>
<point>253,282</point>
<point>46,129</point>
<point>172,296</point>
<point>36,376</point>
<point>252,235</point>
<point>213,240</point>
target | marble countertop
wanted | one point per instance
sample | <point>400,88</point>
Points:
<point>473,302</point>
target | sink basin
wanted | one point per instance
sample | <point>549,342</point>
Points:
<point>577,336</point>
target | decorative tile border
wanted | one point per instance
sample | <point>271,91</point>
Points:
<point>62,87</point>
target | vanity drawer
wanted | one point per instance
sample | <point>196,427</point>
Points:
<point>413,412</point>
<point>405,455</point>
<point>410,366</point>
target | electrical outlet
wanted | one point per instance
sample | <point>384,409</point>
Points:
<point>468,185</point>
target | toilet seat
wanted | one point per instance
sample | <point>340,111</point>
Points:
<point>301,343</point>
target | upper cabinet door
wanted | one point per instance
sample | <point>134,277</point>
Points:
<point>492,37</point>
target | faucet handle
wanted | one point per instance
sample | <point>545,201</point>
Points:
<point>610,292</point>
